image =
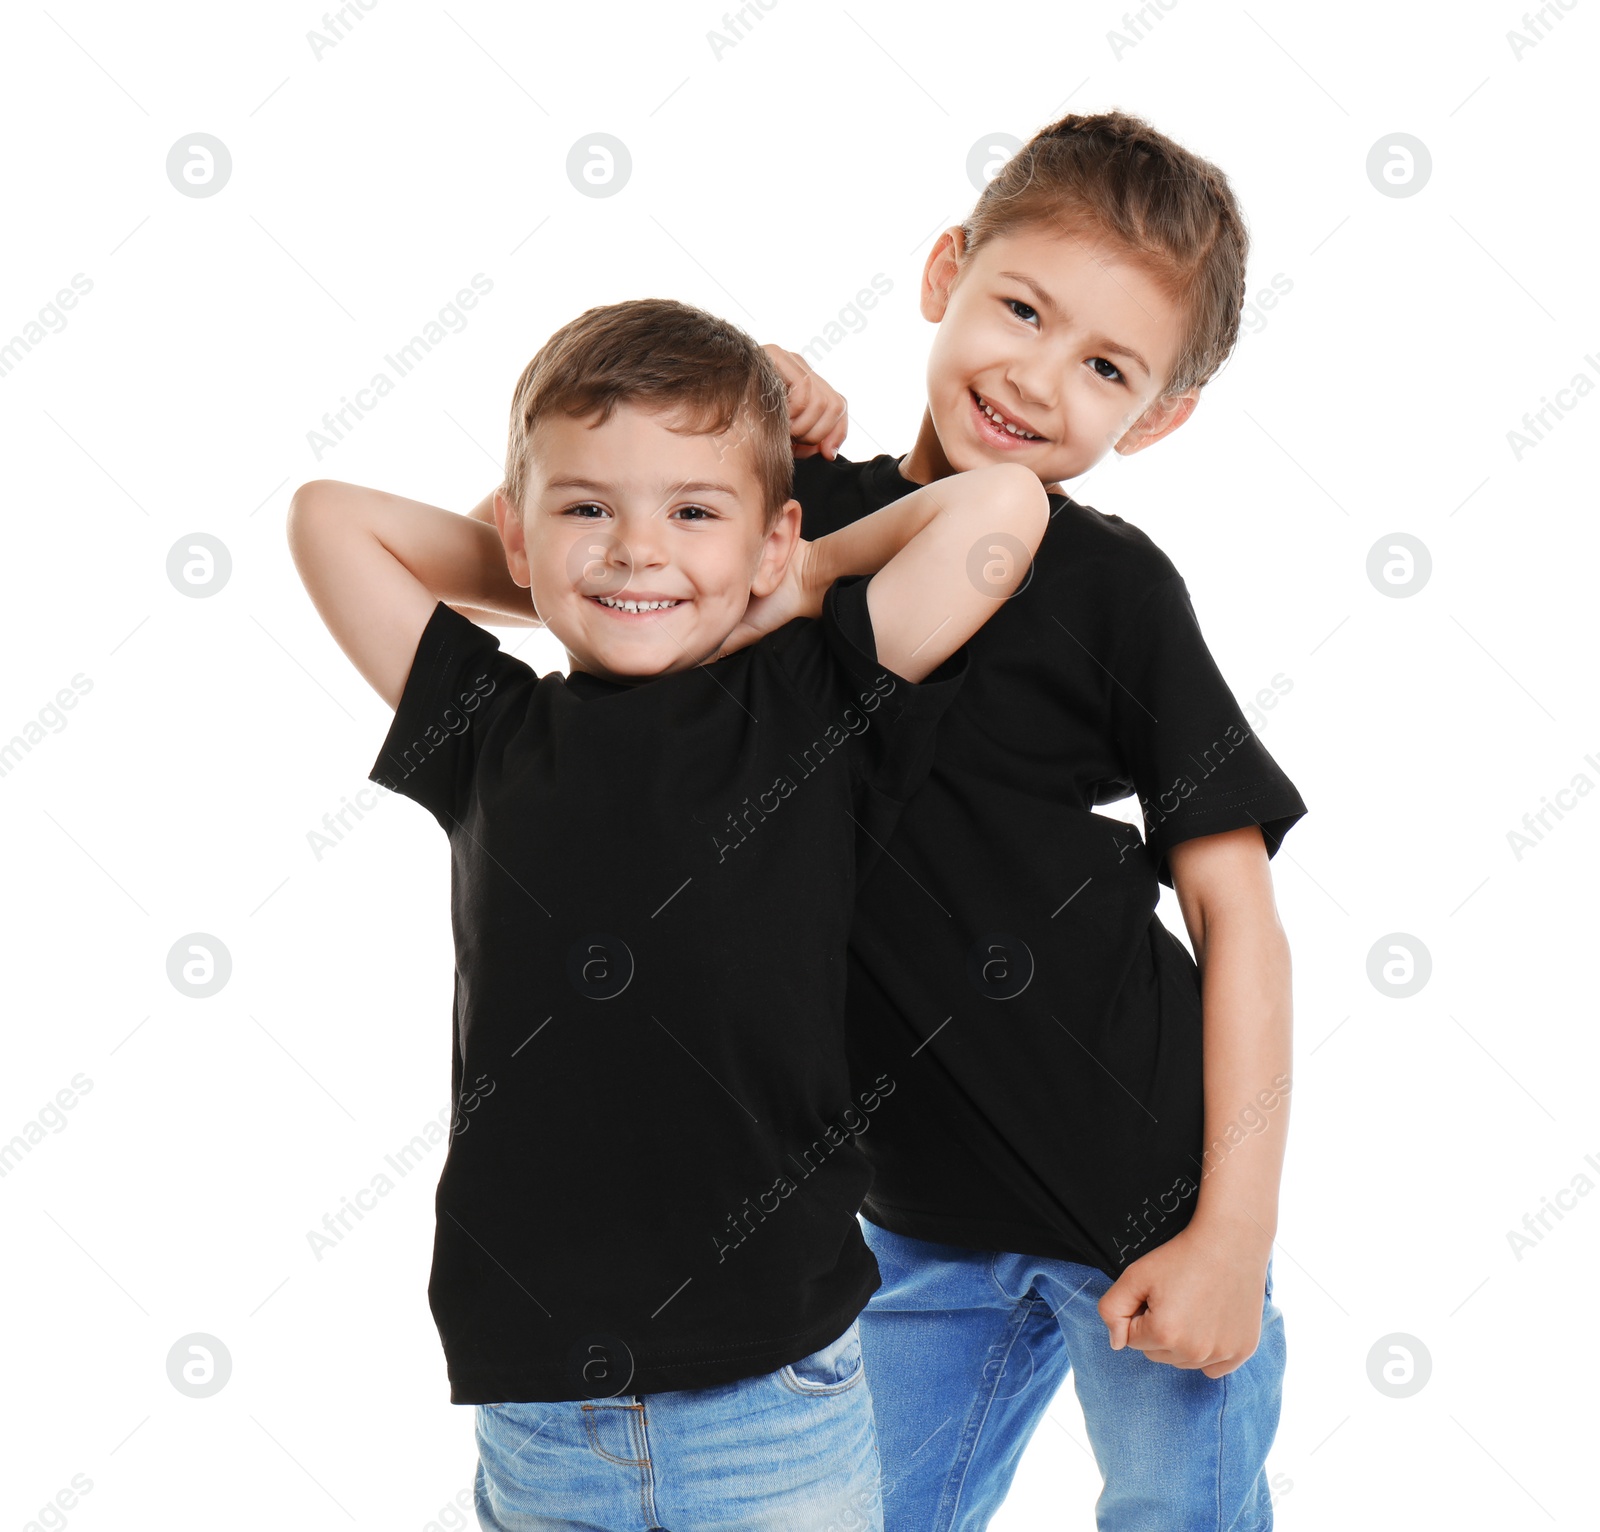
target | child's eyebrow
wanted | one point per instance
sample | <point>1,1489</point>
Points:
<point>694,487</point>
<point>1050,306</point>
<point>1119,350</point>
<point>706,487</point>
<point>1043,299</point>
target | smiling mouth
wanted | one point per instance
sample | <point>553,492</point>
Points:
<point>629,608</point>
<point>1001,425</point>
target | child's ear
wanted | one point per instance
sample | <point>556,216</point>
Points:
<point>777,549</point>
<point>939,271</point>
<point>509,525</point>
<point>1162,418</point>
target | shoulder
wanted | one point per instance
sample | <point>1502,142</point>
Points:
<point>835,492</point>
<point>781,651</point>
<point>1113,590</point>
<point>459,687</point>
<point>448,642</point>
<point>460,675</point>
<point>836,472</point>
<point>821,658</point>
<point>1084,532</point>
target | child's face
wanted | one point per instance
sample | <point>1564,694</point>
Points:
<point>1061,334</point>
<point>631,510</point>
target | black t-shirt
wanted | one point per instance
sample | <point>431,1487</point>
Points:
<point>1007,967</point>
<point>653,1173</point>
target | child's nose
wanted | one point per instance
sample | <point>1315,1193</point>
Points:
<point>644,543</point>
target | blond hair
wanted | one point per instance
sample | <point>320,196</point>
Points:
<point>661,355</point>
<point>1115,175</point>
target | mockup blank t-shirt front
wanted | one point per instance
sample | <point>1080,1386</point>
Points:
<point>1007,965</point>
<point>654,1167</point>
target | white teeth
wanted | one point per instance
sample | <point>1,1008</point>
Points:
<point>634,606</point>
<point>1005,424</point>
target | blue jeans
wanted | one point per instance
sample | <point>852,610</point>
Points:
<point>966,1348</point>
<point>787,1451</point>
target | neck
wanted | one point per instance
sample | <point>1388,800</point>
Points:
<point>926,461</point>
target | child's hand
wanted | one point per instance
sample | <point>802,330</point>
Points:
<point>817,412</point>
<point>793,598</point>
<point>1193,1302</point>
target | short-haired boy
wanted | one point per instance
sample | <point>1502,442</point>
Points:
<point>647,1263</point>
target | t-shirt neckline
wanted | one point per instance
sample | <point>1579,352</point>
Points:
<point>586,682</point>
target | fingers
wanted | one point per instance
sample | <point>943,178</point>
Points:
<point>789,363</point>
<point>1230,1359</point>
<point>1146,1333</point>
<point>1181,1357</point>
<point>805,412</point>
<point>1214,1364</point>
<point>1121,1306</point>
<point>790,367</point>
<point>815,412</point>
<point>1160,1342</point>
<point>1124,1298</point>
<point>834,427</point>
<point>818,413</point>
<point>820,427</point>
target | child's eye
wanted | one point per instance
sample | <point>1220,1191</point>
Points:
<point>706,514</point>
<point>1114,376</point>
<point>588,505</point>
<point>1016,303</point>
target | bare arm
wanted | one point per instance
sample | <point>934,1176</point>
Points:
<point>1224,888</point>
<point>1196,1300</point>
<point>497,605</point>
<point>376,565</point>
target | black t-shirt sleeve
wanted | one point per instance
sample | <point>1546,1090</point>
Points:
<point>888,721</point>
<point>829,496</point>
<point>1195,763</point>
<point>458,679</point>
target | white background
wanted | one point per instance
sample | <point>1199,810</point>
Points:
<point>769,184</point>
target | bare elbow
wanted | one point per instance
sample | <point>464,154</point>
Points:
<point>1024,495</point>
<point>308,496</point>
<point>309,526</point>
<point>301,503</point>
<point>308,504</point>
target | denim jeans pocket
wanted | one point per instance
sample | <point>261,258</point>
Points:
<point>831,1369</point>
